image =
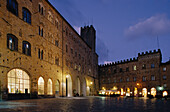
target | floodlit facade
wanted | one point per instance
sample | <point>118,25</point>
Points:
<point>142,76</point>
<point>42,55</point>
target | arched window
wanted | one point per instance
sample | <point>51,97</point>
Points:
<point>50,87</point>
<point>40,86</point>
<point>26,48</point>
<point>40,31</point>
<point>42,53</point>
<point>50,17</point>
<point>12,42</point>
<point>26,15</point>
<point>41,9</point>
<point>18,81</point>
<point>12,6</point>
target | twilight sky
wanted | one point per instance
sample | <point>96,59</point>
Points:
<point>124,27</point>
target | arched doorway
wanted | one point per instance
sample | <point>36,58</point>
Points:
<point>57,88</point>
<point>135,91</point>
<point>128,92</point>
<point>78,85</point>
<point>18,81</point>
<point>121,91</point>
<point>165,93</point>
<point>40,86</point>
<point>68,86</point>
<point>144,92</point>
<point>153,92</point>
<point>50,87</point>
<point>84,88</point>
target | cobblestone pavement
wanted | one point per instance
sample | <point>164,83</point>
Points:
<point>86,104</point>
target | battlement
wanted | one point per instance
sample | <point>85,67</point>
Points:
<point>149,52</point>
<point>131,59</point>
<point>87,27</point>
<point>119,62</point>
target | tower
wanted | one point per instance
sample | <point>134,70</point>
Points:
<point>88,33</point>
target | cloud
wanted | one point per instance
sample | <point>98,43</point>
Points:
<point>102,51</point>
<point>153,26</point>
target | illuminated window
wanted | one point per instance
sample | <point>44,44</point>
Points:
<point>79,68</point>
<point>18,81</point>
<point>26,48</point>
<point>50,87</point>
<point>12,6</point>
<point>134,67</point>
<point>164,69</point>
<point>26,15</point>
<point>144,66</point>
<point>40,86</point>
<point>12,42</point>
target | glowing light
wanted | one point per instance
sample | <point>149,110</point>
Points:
<point>137,84</point>
<point>103,92</point>
<point>114,88</point>
<point>140,93</point>
<point>161,88</point>
<point>149,93</point>
<point>130,92</point>
<point>91,82</point>
<point>67,76</point>
<point>124,92</point>
<point>165,93</point>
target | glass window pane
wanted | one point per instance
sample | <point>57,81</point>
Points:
<point>16,83</point>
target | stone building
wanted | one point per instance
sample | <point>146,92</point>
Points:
<point>144,75</point>
<point>42,55</point>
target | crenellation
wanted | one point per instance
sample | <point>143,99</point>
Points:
<point>143,72</point>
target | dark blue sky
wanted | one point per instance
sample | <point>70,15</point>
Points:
<point>124,27</point>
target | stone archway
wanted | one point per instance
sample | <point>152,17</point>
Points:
<point>121,92</point>
<point>50,87</point>
<point>84,88</point>
<point>128,92</point>
<point>69,86</point>
<point>78,85</point>
<point>153,91</point>
<point>57,88</point>
<point>144,92</point>
<point>18,81</point>
<point>40,86</point>
<point>135,91</point>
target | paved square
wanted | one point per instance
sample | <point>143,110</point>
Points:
<point>86,104</point>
